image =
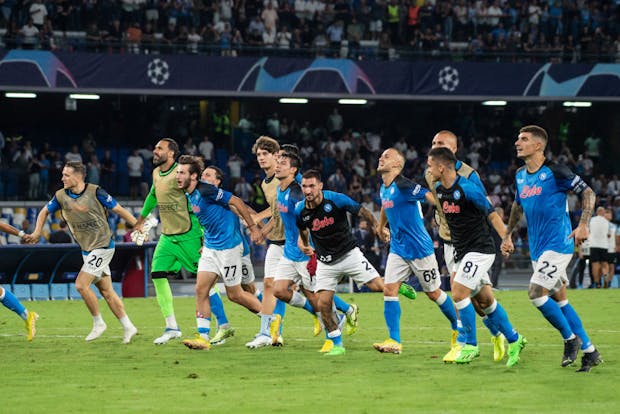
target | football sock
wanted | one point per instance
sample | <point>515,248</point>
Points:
<point>164,297</point>
<point>391,312</point>
<point>447,308</point>
<point>204,325</point>
<point>335,336</point>
<point>468,319</point>
<point>12,303</point>
<point>341,305</point>
<point>300,301</point>
<point>575,323</point>
<point>497,315</point>
<point>217,307</point>
<point>552,312</point>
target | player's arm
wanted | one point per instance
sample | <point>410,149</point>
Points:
<point>7,228</point>
<point>497,223</point>
<point>303,242</point>
<point>367,214</point>
<point>265,214</point>
<point>41,218</point>
<point>244,212</point>
<point>125,214</point>
<point>149,204</point>
<point>516,212</point>
<point>266,229</point>
<point>382,231</point>
<point>588,201</point>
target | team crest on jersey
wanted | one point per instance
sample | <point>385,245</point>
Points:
<point>542,176</point>
<point>520,180</point>
<point>392,190</point>
<point>286,196</point>
<point>457,195</point>
<point>327,208</point>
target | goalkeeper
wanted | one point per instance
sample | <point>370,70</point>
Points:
<point>180,242</point>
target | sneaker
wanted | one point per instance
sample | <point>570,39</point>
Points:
<point>352,320</point>
<point>279,341</point>
<point>454,351</point>
<point>589,360</point>
<point>221,335</point>
<point>129,333</point>
<point>467,354</point>
<point>169,334</point>
<point>514,350</point>
<point>31,325</point>
<point>499,347</point>
<point>407,291</point>
<point>388,346</point>
<point>316,325</point>
<point>274,328</point>
<point>571,347</point>
<point>259,341</point>
<point>198,343</point>
<point>455,335</point>
<point>328,345</point>
<point>98,329</point>
<point>336,350</point>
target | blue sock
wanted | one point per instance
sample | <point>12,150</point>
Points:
<point>341,305</point>
<point>309,308</point>
<point>217,308</point>
<point>12,303</point>
<point>500,320</point>
<point>552,312</point>
<point>576,325</point>
<point>491,326</point>
<point>391,312</point>
<point>468,319</point>
<point>447,308</point>
<point>280,309</point>
<point>335,336</point>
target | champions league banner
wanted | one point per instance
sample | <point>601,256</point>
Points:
<point>245,76</point>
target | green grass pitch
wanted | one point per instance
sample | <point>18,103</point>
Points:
<point>60,372</point>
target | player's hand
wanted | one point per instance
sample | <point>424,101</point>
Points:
<point>507,246</point>
<point>139,224</point>
<point>383,234</point>
<point>256,235</point>
<point>31,238</point>
<point>580,234</point>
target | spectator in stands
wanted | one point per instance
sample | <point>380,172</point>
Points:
<point>189,147</point>
<point>337,182</point>
<point>38,13</point>
<point>234,164</point>
<point>206,149</point>
<point>62,234</point>
<point>73,155</point>
<point>30,35</point>
<point>93,169</point>
<point>135,167</point>
<point>244,190</point>
<point>599,228</point>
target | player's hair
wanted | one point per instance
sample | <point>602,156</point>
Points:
<point>294,159</point>
<point>289,149</point>
<point>172,146</point>
<point>266,143</point>
<point>444,156</point>
<point>449,134</point>
<point>400,155</point>
<point>196,166</point>
<point>536,131</point>
<point>78,167</point>
<point>312,174</point>
<point>219,174</point>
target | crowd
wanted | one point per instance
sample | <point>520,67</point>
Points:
<point>509,30</point>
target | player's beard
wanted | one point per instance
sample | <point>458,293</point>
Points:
<point>159,161</point>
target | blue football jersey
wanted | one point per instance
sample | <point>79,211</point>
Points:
<point>401,204</point>
<point>542,195</point>
<point>287,200</point>
<point>220,224</point>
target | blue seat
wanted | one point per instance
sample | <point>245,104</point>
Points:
<point>40,291</point>
<point>118,288</point>
<point>59,291</point>
<point>21,291</point>
<point>73,293</point>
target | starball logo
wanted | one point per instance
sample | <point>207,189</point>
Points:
<point>528,191</point>
<point>320,224</point>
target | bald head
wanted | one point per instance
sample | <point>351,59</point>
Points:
<point>445,139</point>
<point>600,211</point>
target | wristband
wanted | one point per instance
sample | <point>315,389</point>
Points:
<point>21,234</point>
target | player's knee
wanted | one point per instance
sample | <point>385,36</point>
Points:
<point>434,295</point>
<point>390,289</point>
<point>534,292</point>
<point>159,275</point>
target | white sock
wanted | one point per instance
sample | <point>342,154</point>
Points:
<point>298,300</point>
<point>171,322</point>
<point>125,322</point>
<point>97,320</point>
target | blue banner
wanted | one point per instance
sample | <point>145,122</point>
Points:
<point>204,75</point>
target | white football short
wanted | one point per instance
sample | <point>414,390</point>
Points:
<point>472,271</point>
<point>448,255</point>
<point>272,259</point>
<point>97,263</point>
<point>425,269</point>
<point>295,271</point>
<point>225,263</point>
<point>247,270</point>
<point>550,270</point>
<point>353,264</point>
